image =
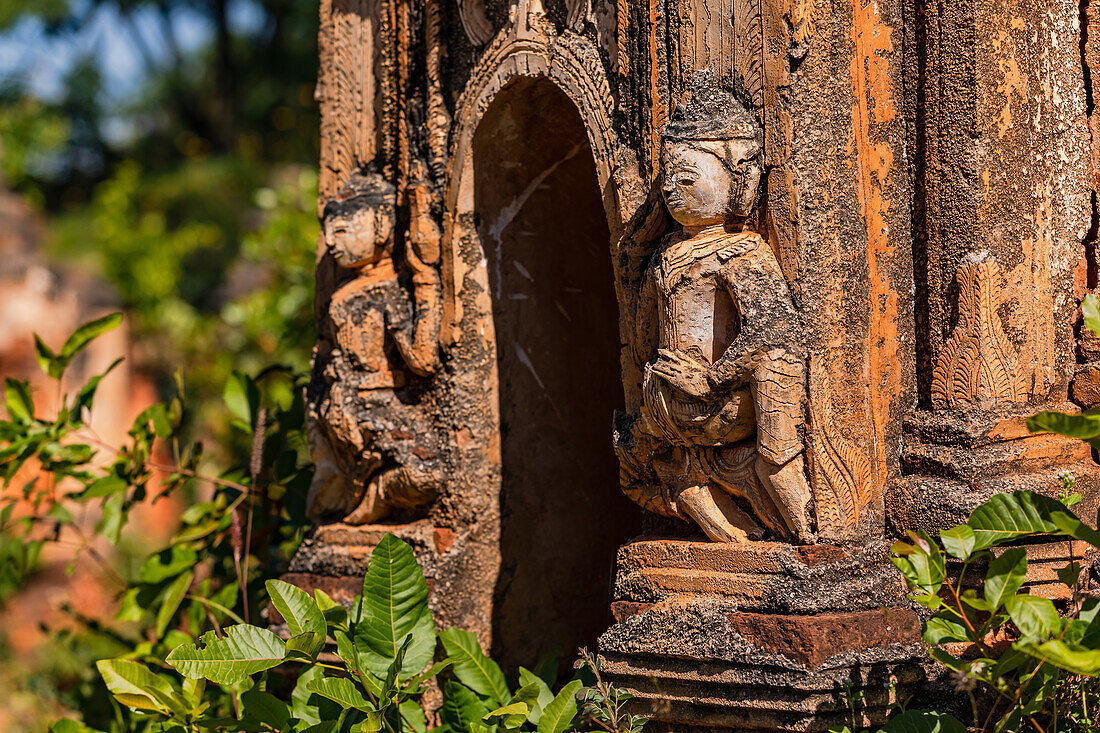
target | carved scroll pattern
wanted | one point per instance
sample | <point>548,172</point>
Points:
<point>749,48</point>
<point>844,480</point>
<point>977,363</point>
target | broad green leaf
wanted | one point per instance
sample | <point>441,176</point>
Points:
<point>265,708</point>
<point>394,607</point>
<point>173,596</point>
<point>473,668</point>
<point>1007,517</point>
<point>920,721</point>
<point>84,335</point>
<point>371,723</point>
<point>414,717</point>
<point>558,716</point>
<point>1068,524</point>
<point>297,608</point>
<point>958,541</point>
<point>526,678</point>
<point>510,716</point>
<point>923,569</point>
<point>193,691</point>
<point>1090,310</point>
<point>229,659</point>
<point>301,706</point>
<point>333,612</point>
<point>1075,659</point>
<point>135,686</point>
<point>168,563</point>
<point>1033,616</point>
<point>942,630</point>
<point>342,691</point>
<point>1005,576</point>
<point>242,397</point>
<point>306,645</point>
<point>462,710</point>
<point>1070,574</point>
<point>1085,426</point>
<point>17,396</point>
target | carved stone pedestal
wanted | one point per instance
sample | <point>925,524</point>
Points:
<point>765,637</point>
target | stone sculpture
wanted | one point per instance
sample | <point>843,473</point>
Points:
<point>381,335</point>
<point>724,391</point>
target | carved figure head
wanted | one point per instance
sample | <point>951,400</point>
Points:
<point>710,157</point>
<point>359,222</point>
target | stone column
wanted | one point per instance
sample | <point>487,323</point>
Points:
<point>1001,213</point>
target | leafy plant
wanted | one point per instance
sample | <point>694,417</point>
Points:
<point>186,656</point>
<point>239,528</point>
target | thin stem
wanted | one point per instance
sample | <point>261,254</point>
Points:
<point>214,604</point>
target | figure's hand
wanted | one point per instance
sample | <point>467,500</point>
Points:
<point>683,372</point>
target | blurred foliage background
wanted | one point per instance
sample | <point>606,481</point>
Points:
<point>170,147</point>
<point>189,186</point>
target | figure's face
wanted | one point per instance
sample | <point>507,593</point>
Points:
<point>360,238</point>
<point>700,190</point>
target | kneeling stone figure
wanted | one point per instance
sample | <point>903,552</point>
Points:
<point>724,394</point>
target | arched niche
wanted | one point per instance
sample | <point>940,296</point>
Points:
<point>532,217</point>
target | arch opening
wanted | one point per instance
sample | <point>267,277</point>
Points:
<point>542,224</point>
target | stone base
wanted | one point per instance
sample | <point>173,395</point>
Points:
<point>760,637</point>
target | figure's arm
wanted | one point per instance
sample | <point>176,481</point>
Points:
<point>646,320</point>
<point>772,322</point>
<point>419,345</point>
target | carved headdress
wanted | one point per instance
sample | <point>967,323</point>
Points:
<point>362,190</point>
<point>710,118</point>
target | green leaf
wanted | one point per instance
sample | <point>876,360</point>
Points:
<point>135,686</point>
<point>168,563</point>
<point>301,706</point>
<point>394,607</point>
<point>334,613</point>
<point>297,608</point>
<point>958,541</point>
<point>943,630</point>
<point>1033,616</point>
<point>413,714</point>
<point>17,395</point>
<point>559,714</point>
<point>114,518</point>
<point>173,596</point>
<point>265,708</point>
<point>342,691</point>
<point>1007,517</point>
<point>86,395</point>
<point>1075,659</point>
<point>1070,574</point>
<point>47,360</point>
<point>1090,310</point>
<point>1085,426</point>
<point>545,696</point>
<point>473,668</point>
<point>229,659</point>
<point>921,564</point>
<point>306,645</point>
<point>509,716</point>
<point>84,335</point>
<point>242,397</point>
<point>547,666</point>
<point>1005,576</point>
<point>920,721</point>
<point>462,710</point>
